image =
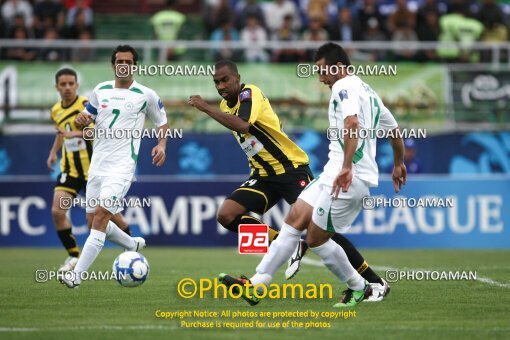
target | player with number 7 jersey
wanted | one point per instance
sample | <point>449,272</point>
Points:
<point>119,105</point>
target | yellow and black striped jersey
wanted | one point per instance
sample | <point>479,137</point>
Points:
<point>269,150</point>
<point>76,152</point>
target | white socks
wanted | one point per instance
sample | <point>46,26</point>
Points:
<point>91,249</point>
<point>117,236</point>
<point>334,257</point>
<point>279,252</point>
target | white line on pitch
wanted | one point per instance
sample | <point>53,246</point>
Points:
<point>486,280</point>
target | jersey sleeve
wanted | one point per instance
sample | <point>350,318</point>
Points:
<point>249,106</point>
<point>386,120</point>
<point>155,109</point>
<point>92,104</point>
<point>347,99</point>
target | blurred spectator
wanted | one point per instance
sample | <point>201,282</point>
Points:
<point>226,32</point>
<point>490,13</point>
<point>167,24</point>
<point>49,11</point>
<point>71,3</point>
<point>314,32</point>
<point>80,6</point>
<point>404,35</point>
<point>428,30</point>
<point>20,53</point>
<point>84,54</point>
<point>413,164</point>
<point>402,18</point>
<point>319,9</point>
<point>374,33</point>
<point>80,25</point>
<point>495,29</point>
<point>286,33</point>
<point>11,8</point>
<point>249,8</point>
<point>430,6</point>
<point>459,28</point>
<point>52,53</point>
<point>19,22</point>
<point>345,29</point>
<point>215,14</point>
<point>254,37</point>
<point>370,10</point>
<point>277,11</point>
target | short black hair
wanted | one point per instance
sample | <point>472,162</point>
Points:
<point>65,71</point>
<point>332,54</point>
<point>226,63</point>
<point>125,48</point>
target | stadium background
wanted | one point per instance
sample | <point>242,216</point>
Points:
<point>452,79</point>
<point>462,99</point>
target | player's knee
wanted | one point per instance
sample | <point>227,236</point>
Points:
<point>224,217</point>
<point>57,212</point>
<point>298,221</point>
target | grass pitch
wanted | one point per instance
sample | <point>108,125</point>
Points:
<point>103,310</point>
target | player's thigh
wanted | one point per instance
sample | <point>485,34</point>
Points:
<point>229,210</point>
<point>112,193</point>
<point>337,215</point>
<point>62,201</point>
<point>92,193</point>
<point>255,195</point>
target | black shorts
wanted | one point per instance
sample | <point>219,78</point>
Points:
<point>72,185</point>
<point>259,194</point>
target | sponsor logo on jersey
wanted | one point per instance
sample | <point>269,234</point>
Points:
<point>343,95</point>
<point>320,211</point>
<point>245,95</point>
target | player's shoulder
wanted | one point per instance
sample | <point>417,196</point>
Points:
<point>142,89</point>
<point>56,107</point>
<point>350,81</point>
<point>250,91</point>
<point>105,85</point>
<point>82,100</point>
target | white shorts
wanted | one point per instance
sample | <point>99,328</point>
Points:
<point>107,192</point>
<point>334,215</point>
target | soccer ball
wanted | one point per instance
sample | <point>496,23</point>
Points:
<point>131,269</point>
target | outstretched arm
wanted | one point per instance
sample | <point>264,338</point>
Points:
<point>231,122</point>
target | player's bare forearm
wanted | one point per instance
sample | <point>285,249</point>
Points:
<point>159,151</point>
<point>399,175</point>
<point>397,144</point>
<point>57,144</point>
<point>351,126</point>
<point>162,133</point>
<point>229,121</point>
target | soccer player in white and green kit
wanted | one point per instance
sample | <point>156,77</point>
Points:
<point>117,104</point>
<point>332,201</point>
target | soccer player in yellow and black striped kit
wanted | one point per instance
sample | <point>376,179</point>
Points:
<point>74,165</point>
<point>279,168</point>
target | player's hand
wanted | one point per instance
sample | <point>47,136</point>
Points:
<point>399,176</point>
<point>342,181</point>
<point>83,119</point>
<point>51,161</point>
<point>198,102</point>
<point>158,155</point>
